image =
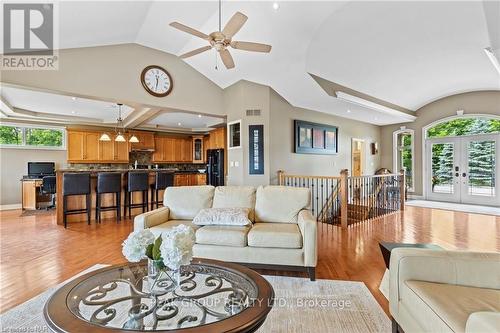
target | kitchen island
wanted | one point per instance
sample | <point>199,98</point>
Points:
<point>181,178</point>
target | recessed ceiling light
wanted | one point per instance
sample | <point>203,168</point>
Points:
<point>179,124</point>
<point>348,111</point>
<point>276,5</point>
<point>73,98</point>
<point>73,112</point>
<point>199,116</point>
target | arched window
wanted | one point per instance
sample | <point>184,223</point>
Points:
<point>464,126</point>
<point>403,154</point>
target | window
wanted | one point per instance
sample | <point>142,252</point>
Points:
<point>464,126</point>
<point>403,154</point>
<point>16,136</point>
<point>234,130</point>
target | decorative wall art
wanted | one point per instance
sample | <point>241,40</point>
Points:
<point>312,138</point>
<point>256,149</point>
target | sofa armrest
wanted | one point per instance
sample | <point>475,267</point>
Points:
<point>483,321</point>
<point>474,269</point>
<point>152,218</point>
<point>307,226</point>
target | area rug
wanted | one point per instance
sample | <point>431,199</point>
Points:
<point>300,306</point>
<point>37,212</point>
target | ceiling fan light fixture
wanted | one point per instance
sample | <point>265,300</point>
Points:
<point>133,139</point>
<point>104,137</point>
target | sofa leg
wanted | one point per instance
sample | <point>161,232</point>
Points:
<point>394,326</point>
<point>311,271</point>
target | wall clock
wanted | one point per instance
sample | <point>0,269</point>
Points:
<point>157,81</point>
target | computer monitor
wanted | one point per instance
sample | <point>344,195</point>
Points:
<point>41,168</point>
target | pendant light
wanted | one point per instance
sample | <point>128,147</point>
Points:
<point>133,139</point>
<point>104,137</point>
<point>119,124</point>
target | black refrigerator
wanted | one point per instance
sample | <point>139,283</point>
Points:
<point>215,167</point>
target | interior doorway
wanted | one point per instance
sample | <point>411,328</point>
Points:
<point>357,157</point>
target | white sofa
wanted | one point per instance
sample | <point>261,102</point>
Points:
<point>444,291</point>
<point>283,235</point>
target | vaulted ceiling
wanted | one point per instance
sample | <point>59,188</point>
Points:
<point>407,53</point>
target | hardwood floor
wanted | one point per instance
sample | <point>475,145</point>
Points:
<point>36,253</point>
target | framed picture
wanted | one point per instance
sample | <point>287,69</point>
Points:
<point>313,138</point>
<point>256,149</point>
<point>305,137</point>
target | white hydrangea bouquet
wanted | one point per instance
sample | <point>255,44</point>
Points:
<point>169,251</point>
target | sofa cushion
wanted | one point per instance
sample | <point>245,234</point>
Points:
<point>280,204</point>
<point>280,235</point>
<point>235,196</point>
<point>185,202</point>
<point>222,216</point>
<point>439,305</point>
<point>224,235</point>
<point>158,229</point>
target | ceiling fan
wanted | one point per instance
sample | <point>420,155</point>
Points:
<point>220,40</point>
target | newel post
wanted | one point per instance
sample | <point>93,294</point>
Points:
<point>280,177</point>
<point>402,189</point>
<point>343,197</point>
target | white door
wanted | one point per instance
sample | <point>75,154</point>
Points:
<point>464,169</point>
<point>480,172</point>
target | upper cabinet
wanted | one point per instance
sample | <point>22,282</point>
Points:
<point>146,140</point>
<point>198,150</point>
<point>84,147</point>
<point>217,139</point>
<point>172,149</point>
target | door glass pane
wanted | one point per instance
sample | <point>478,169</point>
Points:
<point>481,165</point>
<point>442,168</point>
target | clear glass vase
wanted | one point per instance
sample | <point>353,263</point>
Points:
<point>162,279</point>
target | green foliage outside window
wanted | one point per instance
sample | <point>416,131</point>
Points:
<point>27,136</point>
<point>10,135</point>
<point>481,157</point>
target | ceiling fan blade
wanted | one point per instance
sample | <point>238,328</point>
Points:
<point>234,25</point>
<point>195,52</point>
<point>189,30</point>
<point>250,46</point>
<point>226,58</point>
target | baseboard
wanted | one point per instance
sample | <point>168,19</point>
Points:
<point>416,197</point>
<point>10,207</point>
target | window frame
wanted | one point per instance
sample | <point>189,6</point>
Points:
<point>229,138</point>
<point>23,135</point>
<point>395,153</point>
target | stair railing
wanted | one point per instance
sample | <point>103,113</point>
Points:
<point>343,200</point>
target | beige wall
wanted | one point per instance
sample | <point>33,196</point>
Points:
<point>482,102</point>
<point>282,142</point>
<point>14,164</point>
<point>238,98</point>
<point>113,73</point>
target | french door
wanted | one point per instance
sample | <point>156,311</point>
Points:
<point>464,169</point>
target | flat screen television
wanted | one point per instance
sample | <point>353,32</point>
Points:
<point>41,168</point>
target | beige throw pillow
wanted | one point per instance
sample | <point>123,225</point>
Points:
<point>222,216</point>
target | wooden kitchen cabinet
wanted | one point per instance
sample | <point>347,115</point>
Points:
<point>172,149</point>
<point>198,150</point>
<point>146,140</point>
<point>190,179</point>
<point>84,147</point>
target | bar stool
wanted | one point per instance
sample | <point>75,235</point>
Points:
<point>108,182</point>
<point>137,182</point>
<point>163,179</point>
<point>76,184</point>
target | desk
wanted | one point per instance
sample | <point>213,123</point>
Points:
<point>31,193</point>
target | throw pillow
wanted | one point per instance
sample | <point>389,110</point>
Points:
<point>222,216</point>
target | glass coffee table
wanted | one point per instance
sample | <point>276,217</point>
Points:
<point>212,296</point>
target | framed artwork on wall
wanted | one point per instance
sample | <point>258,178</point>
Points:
<point>312,138</point>
<point>256,149</point>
